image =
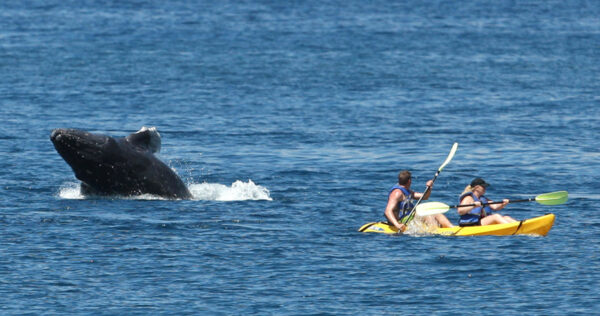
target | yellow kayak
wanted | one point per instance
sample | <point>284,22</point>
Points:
<point>532,226</point>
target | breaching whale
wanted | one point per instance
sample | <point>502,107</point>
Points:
<point>118,166</point>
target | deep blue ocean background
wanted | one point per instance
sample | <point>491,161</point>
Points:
<point>289,121</point>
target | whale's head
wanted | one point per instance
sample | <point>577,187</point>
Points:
<point>98,159</point>
<point>79,147</point>
<point>76,145</point>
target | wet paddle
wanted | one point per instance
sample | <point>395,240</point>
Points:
<point>450,156</point>
<point>552,198</point>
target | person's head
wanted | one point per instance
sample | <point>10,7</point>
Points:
<point>479,185</point>
<point>404,178</point>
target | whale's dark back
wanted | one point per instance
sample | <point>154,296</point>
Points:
<point>118,166</point>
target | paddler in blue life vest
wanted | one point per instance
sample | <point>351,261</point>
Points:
<point>400,204</point>
<point>478,215</point>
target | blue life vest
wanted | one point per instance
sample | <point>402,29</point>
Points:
<point>476,214</point>
<point>404,207</point>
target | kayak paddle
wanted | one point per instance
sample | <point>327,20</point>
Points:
<point>552,198</point>
<point>450,156</point>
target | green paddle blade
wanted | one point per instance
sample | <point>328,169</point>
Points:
<point>553,198</point>
<point>432,208</point>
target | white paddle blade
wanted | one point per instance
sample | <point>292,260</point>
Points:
<point>432,208</point>
<point>450,156</point>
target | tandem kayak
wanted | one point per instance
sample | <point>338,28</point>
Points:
<point>532,226</point>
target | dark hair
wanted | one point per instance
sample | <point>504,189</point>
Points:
<point>403,177</point>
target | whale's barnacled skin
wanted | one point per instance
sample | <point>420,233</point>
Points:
<point>118,166</point>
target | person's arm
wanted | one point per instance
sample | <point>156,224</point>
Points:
<point>466,209</point>
<point>418,195</point>
<point>395,197</point>
<point>497,207</point>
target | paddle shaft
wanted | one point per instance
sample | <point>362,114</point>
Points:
<point>412,212</point>
<point>552,198</point>
<point>499,202</point>
<point>437,173</point>
<point>426,191</point>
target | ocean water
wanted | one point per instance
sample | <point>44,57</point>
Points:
<point>289,121</point>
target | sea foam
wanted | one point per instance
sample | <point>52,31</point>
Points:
<point>238,191</point>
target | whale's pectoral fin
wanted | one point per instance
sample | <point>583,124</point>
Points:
<point>147,138</point>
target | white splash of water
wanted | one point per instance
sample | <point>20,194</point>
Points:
<point>418,228</point>
<point>238,191</point>
<point>71,191</point>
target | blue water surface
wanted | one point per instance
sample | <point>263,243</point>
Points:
<point>289,121</point>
